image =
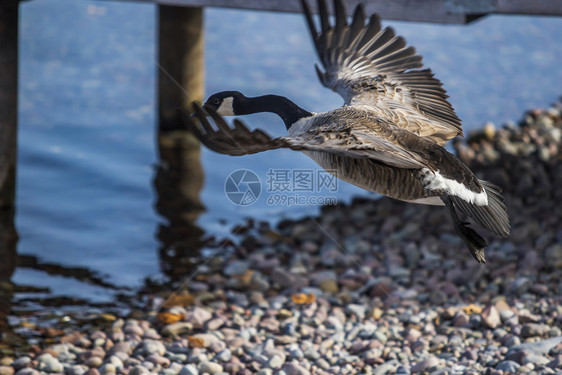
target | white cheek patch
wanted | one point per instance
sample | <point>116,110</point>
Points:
<point>435,181</point>
<point>226,108</point>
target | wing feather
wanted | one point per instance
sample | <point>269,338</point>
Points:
<point>375,69</point>
<point>347,140</point>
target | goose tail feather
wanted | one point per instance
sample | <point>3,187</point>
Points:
<point>493,216</point>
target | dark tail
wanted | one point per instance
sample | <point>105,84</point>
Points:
<point>492,217</point>
<point>475,243</point>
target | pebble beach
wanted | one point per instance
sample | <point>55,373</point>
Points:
<point>374,287</point>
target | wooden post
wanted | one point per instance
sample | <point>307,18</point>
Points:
<point>8,151</point>
<point>8,132</point>
<point>179,178</point>
<point>181,70</point>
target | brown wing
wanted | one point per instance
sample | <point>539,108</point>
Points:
<point>239,140</point>
<point>374,69</point>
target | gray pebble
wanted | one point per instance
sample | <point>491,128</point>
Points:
<point>176,329</point>
<point>27,371</point>
<point>210,367</point>
<point>214,324</point>
<point>189,370</point>
<point>149,365</point>
<point>508,366</point>
<point>237,267</point>
<point>21,362</point>
<point>148,347</point>
<point>198,317</point>
<point>176,357</point>
<point>311,353</point>
<point>539,347</point>
<point>115,361</point>
<point>94,362</point>
<point>76,370</point>
<point>425,364</point>
<point>293,368</point>
<point>556,362</point>
<point>224,355</point>
<point>532,329</point>
<point>535,359</point>
<point>48,363</point>
<point>138,370</point>
<point>322,363</point>
<point>296,353</point>
<point>357,310</point>
<point>107,368</point>
<point>275,362</point>
<point>386,368</point>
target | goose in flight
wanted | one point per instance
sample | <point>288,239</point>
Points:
<point>387,137</point>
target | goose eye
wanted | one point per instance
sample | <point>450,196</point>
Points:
<point>216,101</point>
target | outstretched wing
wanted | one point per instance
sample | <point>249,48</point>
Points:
<point>374,68</point>
<point>347,141</point>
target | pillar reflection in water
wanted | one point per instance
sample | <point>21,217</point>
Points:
<point>178,182</point>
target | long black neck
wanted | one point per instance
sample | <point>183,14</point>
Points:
<point>280,105</point>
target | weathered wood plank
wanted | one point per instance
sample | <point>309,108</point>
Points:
<point>411,10</point>
<point>440,11</point>
<point>536,7</point>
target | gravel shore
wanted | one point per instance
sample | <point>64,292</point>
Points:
<point>374,287</point>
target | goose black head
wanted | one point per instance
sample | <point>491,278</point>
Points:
<point>225,102</point>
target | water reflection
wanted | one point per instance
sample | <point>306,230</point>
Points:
<point>178,183</point>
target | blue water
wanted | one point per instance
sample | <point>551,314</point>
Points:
<point>87,149</point>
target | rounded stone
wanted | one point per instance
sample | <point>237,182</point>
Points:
<point>210,367</point>
<point>76,370</point>
<point>176,329</point>
<point>508,366</point>
<point>27,371</point>
<point>93,362</point>
<point>189,370</point>
<point>224,355</point>
<point>107,368</point>
<point>425,364</point>
<point>21,362</point>
<point>138,370</point>
<point>50,364</point>
<point>152,346</point>
<point>275,362</point>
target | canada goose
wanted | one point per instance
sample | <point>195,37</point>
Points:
<point>386,138</point>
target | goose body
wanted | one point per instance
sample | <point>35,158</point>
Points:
<point>386,138</point>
